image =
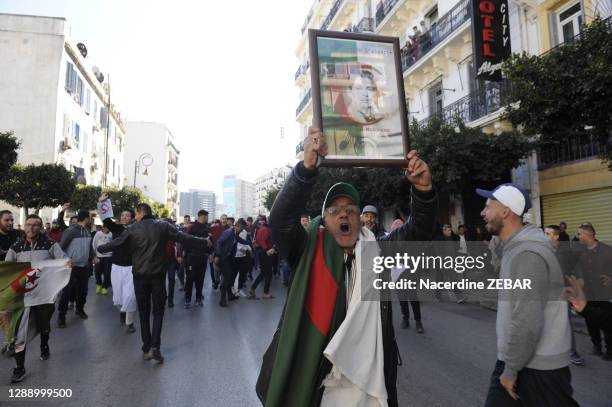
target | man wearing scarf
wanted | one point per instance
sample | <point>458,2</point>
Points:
<point>331,348</point>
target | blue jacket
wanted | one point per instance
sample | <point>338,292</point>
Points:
<point>226,245</point>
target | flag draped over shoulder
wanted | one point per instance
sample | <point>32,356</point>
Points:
<point>23,285</point>
<point>315,308</point>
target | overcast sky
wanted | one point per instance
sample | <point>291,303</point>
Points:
<point>220,74</point>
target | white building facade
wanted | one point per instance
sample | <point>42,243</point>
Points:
<point>194,200</point>
<point>238,197</point>
<point>273,179</point>
<point>151,162</point>
<point>55,104</point>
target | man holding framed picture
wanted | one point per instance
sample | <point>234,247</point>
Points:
<point>326,324</point>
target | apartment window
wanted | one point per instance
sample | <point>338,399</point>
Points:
<point>87,101</point>
<point>435,98</point>
<point>113,167</point>
<point>77,136</point>
<point>569,22</point>
<point>71,78</point>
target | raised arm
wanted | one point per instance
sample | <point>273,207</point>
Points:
<point>421,223</point>
<point>123,238</point>
<point>60,217</point>
<point>287,232</point>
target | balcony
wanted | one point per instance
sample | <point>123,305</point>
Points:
<point>303,103</point>
<point>474,106</point>
<point>366,24</point>
<point>302,69</point>
<point>579,147</point>
<point>383,9</point>
<point>441,29</point>
<point>332,14</point>
<point>299,148</point>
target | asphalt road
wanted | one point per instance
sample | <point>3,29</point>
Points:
<point>213,357</point>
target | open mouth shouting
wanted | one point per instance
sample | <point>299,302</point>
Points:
<point>345,228</point>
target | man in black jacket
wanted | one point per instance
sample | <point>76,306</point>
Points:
<point>197,260</point>
<point>147,241</point>
<point>341,221</point>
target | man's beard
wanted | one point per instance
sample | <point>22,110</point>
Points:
<point>494,226</point>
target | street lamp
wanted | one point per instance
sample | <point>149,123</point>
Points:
<point>146,160</point>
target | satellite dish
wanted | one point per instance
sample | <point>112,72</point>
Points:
<point>83,49</point>
<point>96,71</point>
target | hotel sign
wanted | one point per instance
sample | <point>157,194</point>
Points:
<point>490,37</point>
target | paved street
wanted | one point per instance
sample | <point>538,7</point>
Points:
<point>213,356</point>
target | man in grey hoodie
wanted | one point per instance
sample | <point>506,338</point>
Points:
<point>533,331</point>
<point>76,242</point>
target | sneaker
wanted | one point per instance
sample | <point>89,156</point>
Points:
<point>187,304</point>
<point>81,314</point>
<point>122,318</point>
<point>98,289</point>
<point>233,298</point>
<point>147,355</point>
<point>170,304</point>
<point>251,295</point>
<point>130,329</point>
<point>104,291</point>
<point>61,321</point>
<point>576,359</point>
<point>19,374</point>
<point>405,323</point>
<point>242,294</point>
<point>44,353</point>
<point>157,356</point>
<point>419,327</point>
<point>597,350</point>
<point>268,297</point>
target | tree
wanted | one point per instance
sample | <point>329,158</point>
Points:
<point>160,210</point>
<point>566,92</point>
<point>85,197</point>
<point>8,151</point>
<point>458,155</point>
<point>125,198</point>
<point>37,186</point>
<point>270,197</point>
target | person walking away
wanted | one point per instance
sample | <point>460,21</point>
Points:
<point>103,261</point>
<point>225,251</point>
<point>146,240</point>
<point>266,252</point>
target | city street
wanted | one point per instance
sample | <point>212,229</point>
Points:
<point>213,357</point>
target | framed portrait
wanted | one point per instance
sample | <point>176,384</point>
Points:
<point>358,98</point>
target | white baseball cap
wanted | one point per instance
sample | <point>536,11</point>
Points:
<point>511,195</point>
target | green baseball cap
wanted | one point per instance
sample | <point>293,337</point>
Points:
<point>340,189</point>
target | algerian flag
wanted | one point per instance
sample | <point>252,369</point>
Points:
<point>23,285</point>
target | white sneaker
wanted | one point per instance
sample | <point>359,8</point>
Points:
<point>234,290</point>
<point>242,294</point>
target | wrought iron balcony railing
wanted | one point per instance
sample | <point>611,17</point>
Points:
<point>366,24</point>
<point>575,148</point>
<point>475,105</point>
<point>439,31</point>
<point>383,9</point>
<point>303,103</point>
<point>332,14</point>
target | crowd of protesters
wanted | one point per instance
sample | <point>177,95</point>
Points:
<point>140,258</point>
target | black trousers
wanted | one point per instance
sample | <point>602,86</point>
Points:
<point>103,272</point>
<point>227,274</point>
<point>41,315</point>
<point>77,284</point>
<point>150,290</point>
<point>266,263</point>
<point>535,388</point>
<point>416,309</point>
<point>595,328</point>
<point>171,268</point>
<point>242,265</point>
<point>194,275</point>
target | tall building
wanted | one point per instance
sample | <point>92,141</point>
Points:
<point>151,162</point>
<point>273,179</point>
<point>440,81</point>
<point>196,199</point>
<point>238,196</point>
<point>56,103</point>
